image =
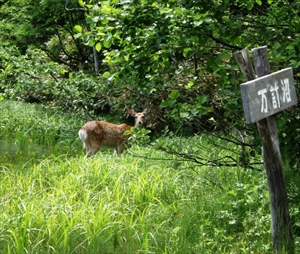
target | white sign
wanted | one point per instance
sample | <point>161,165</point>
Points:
<point>268,95</point>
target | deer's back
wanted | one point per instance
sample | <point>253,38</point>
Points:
<point>107,134</point>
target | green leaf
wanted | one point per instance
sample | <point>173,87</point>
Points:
<point>107,40</point>
<point>106,74</point>
<point>91,42</point>
<point>104,21</point>
<point>178,10</point>
<point>107,37</point>
<point>95,19</point>
<point>78,35</point>
<point>250,5</point>
<point>190,84</point>
<point>165,61</point>
<point>198,22</point>
<point>168,103</point>
<point>78,29</point>
<point>208,19</point>
<point>81,3</point>
<point>107,44</point>
<point>127,132</point>
<point>86,38</point>
<point>202,99</point>
<point>98,46</point>
<point>236,40</point>
<point>187,52</point>
<point>174,94</point>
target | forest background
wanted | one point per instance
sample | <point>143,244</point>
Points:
<point>96,58</point>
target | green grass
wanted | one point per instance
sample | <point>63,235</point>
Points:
<point>31,132</point>
<point>125,205</point>
<point>62,202</point>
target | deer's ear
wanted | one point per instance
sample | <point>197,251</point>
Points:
<point>130,112</point>
<point>146,111</point>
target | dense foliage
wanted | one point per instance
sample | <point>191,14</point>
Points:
<point>176,56</point>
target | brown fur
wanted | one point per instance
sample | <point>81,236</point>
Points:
<point>97,134</point>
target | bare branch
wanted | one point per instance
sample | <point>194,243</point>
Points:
<point>74,9</point>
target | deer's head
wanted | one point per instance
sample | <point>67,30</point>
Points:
<point>139,117</point>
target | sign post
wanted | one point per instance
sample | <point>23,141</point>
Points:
<point>264,95</point>
<point>268,95</point>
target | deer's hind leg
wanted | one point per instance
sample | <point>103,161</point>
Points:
<point>91,148</point>
<point>120,147</point>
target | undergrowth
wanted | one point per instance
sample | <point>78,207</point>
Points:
<point>144,201</point>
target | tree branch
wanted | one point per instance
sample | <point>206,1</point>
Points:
<point>74,9</point>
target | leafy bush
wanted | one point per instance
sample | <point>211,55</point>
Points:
<point>175,58</point>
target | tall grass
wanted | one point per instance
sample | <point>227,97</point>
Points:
<point>65,203</point>
<point>125,205</point>
<point>32,131</point>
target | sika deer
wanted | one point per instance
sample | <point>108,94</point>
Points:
<point>96,134</point>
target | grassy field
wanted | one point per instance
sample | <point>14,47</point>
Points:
<point>54,200</point>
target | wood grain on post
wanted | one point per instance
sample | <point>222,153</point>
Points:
<point>282,236</point>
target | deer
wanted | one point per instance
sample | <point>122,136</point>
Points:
<point>100,134</point>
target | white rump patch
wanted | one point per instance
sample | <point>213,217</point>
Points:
<point>82,134</point>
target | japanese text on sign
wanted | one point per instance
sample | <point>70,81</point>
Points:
<point>277,91</point>
<point>268,95</point>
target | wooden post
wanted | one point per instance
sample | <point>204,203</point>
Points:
<point>282,236</point>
